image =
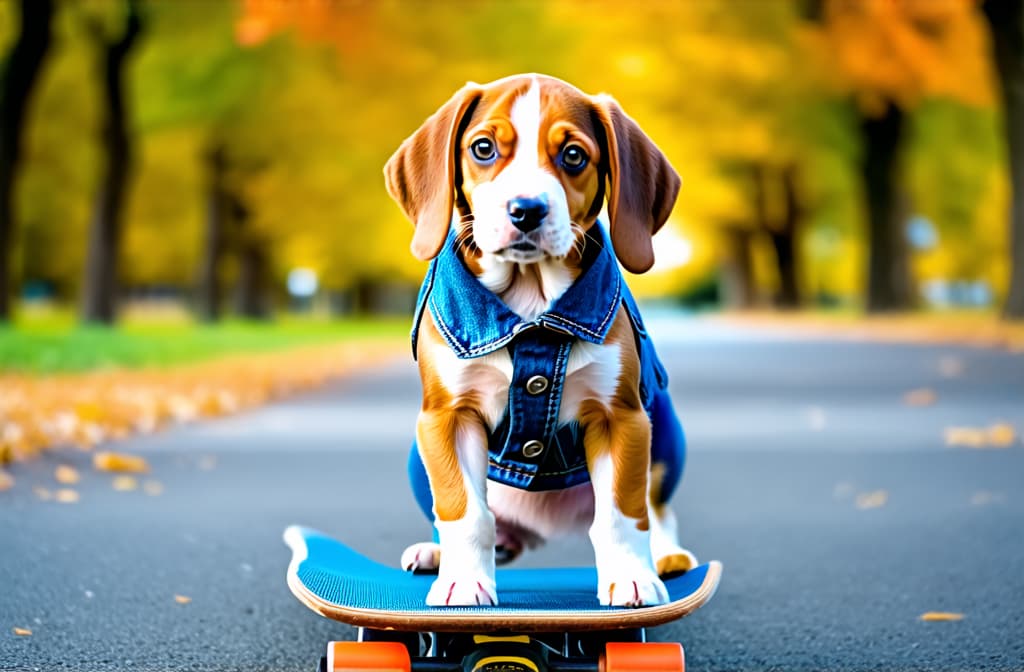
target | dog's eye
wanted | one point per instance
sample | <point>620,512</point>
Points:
<point>573,158</point>
<point>483,150</point>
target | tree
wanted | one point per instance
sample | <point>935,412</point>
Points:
<point>18,76</point>
<point>1006,21</point>
<point>218,212</point>
<point>778,213</point>
<point>263,124</point>
<point>889,56</point>
<point>100,282</point>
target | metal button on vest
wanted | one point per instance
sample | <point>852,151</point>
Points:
<point>533,448</point>
<point>536,385</point>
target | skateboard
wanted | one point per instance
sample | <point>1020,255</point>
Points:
<point>547,620</point>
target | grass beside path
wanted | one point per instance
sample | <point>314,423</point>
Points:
<point>62,385</point>
<point>52,344</point>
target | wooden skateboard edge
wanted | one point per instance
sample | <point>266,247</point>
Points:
<point>536,621</point>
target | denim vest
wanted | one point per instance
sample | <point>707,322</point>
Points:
<point>529,449</point>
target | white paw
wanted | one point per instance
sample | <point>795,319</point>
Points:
<point>457,592</point>
<point>641,588</point>
<point>422,557</point>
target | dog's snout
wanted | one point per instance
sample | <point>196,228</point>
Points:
<point>526,214</point>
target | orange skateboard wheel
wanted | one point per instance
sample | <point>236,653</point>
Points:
<point>643,657</point>
<point>358,656</point>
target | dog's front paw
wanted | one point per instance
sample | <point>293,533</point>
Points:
<point>422,557</point>
<point>641,588</point>
<point>462,592</point>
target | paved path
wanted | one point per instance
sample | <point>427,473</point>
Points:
<point>785,435</point>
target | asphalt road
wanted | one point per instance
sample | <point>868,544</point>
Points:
<point>787,435</point>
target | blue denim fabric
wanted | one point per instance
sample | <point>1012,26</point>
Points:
<point>474,322</point>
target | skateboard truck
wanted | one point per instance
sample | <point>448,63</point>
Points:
<point>513,653</point>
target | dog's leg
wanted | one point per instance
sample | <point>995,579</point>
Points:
<point>669,556</point>
<point>618,456</point>
<point>454,452</point>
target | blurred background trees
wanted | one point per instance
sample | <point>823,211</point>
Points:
<point>226,156</point>
<point>1006,20</point>
<point>19,71</point>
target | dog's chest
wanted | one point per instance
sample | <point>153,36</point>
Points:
<point>592,374</point>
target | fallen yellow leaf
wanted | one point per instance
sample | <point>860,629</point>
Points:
<point>872,500</point>
<point>42,493</point>
<point>6,481</point>
<point>941,616</point>
<point>110,461</point>
<point>999,435</point>
<point>182,599</point>
<point>153,488</point>
<point>951,367</point>
<point>920,396</point>
<point>1002,435</point>
<point>983,498</point>
<point>66,474</point>
<point>66,496</point>
<point>125,483</point>
<point>22,632</point>
<point>89,411</point>
<point>968,437</point>
<point>923,396</point>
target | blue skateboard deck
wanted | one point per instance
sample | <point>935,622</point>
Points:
<point>339,583</point>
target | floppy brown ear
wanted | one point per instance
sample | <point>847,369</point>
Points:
<point>421,175</point>
<point>643,186</point>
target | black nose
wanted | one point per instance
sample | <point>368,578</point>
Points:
<point>526,214</point>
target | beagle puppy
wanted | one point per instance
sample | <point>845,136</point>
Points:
<point>545,408</point>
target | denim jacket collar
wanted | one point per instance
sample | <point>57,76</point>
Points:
<point>474,321</point>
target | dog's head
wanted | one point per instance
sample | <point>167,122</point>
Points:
<point>527,161</point>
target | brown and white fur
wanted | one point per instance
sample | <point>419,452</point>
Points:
<point>530,120</point>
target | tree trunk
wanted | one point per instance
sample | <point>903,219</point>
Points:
<point>100,282</point>
<point>781,227</point>
<point>788,296</point>
<point>208,289</point>
<point>889,283</point>
<point>18,76</point>
<point>737,271</point>
<point>1006,19</point>
<point>251,296</point>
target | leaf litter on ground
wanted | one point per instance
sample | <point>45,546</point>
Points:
<point>91,408</point>
<point>66,474</point>
<point>922,396</point>
<point>939,616</point>
<point>872,500</point>
<point>120,462</point>
<point>996,436</point>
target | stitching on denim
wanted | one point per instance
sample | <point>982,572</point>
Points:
<point>443,328</point>
<point>557,385</point>
<point>457,345</point>
<point>612,309</point>
<point>491,345</point>
<point>520,472</point>
<point>424,307</point>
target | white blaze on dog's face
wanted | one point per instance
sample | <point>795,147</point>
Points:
<point>524,162</point>
<point>529,167</point>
